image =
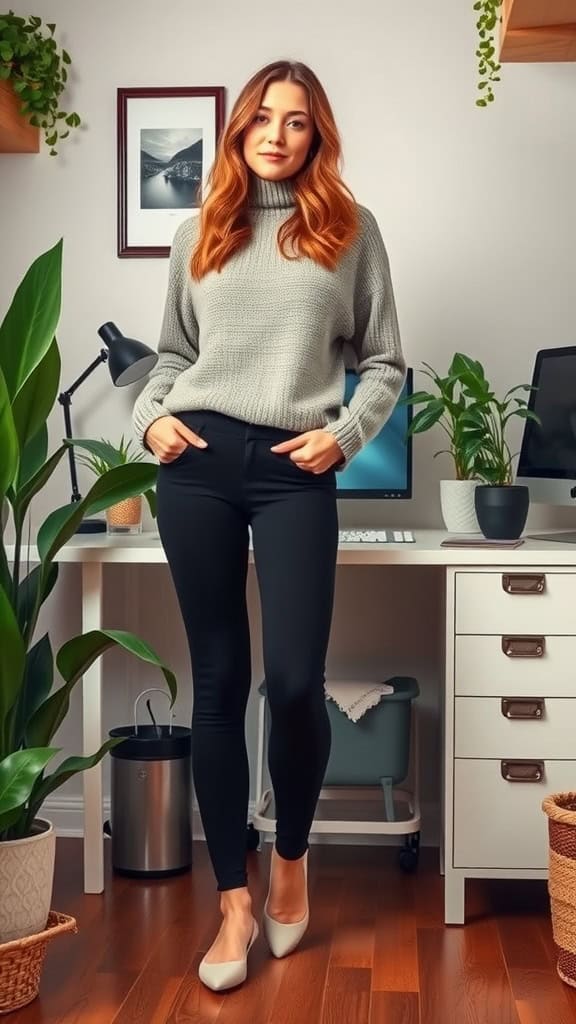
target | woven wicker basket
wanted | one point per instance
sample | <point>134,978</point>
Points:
<point>561,811</point>
<point>21,962</point>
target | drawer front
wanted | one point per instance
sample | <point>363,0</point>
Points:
<point>482,668</point>
<point>482,730</point>
<point>541,602</point>
<point>499,824</point>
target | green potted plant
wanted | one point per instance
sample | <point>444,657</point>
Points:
<point>446,406</point>
<point>100,456</point>
<point>32,703</point>
<point>32,66</point>
<point>501,506</point>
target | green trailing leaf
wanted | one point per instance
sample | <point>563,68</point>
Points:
<point>8,440</point>
<point>150,496</point>
<point>29,326</point>
<point>18,773</point>
<point>37,395</point>
<point>73,660</point>
<point>33,456</point>
<point>36,686</point>
<point>70,767</point>
<point>29,600</point>
<point>427,417</point>
<point>12,660</point>
<point>35,484</point>
<point>115,485</point>
<point>489,15</point>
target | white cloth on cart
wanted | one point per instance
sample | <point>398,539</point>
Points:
<point>354,697</point>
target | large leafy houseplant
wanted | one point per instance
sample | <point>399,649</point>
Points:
<point>30,61</point>
<point>31,710</point>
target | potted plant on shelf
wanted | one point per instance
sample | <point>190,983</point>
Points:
<point>501,506</point>
<point>446,406</point>
<point>34,73</point>
<point>31,707</point>
<point>123,516</point>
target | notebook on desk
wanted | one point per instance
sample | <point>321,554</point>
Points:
<point>472,540</point>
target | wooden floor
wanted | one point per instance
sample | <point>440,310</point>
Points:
<point>376,952</point>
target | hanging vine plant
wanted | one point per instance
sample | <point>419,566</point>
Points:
<point>489,17</point>
<point>30,61</point>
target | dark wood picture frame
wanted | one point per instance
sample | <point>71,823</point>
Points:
<point>126,248</point>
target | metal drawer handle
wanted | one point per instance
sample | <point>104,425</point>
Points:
<point>522,771</point>
<point>523,646</point>
<point>523,707</point>
<point>524,583</point>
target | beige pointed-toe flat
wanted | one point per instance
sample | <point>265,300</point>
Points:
<point>228,974</point>
<point>283,938</point>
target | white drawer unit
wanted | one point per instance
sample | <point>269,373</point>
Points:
<point>500,822</point>
<point>514,664</point>
<point>515,727</point>
<point>516,601</point>
<point>509,720</point>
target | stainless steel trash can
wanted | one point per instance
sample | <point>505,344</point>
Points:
<point>151,798</point>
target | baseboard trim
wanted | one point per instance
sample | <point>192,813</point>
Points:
<point>66,814</point>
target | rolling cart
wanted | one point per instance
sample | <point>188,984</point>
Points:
<point>350,802</point>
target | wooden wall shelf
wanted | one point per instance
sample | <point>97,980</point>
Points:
<point>16,134</point>
<point>538,30</point>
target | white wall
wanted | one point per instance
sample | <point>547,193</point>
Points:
<point>476,207</point>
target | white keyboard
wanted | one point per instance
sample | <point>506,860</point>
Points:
<point>375,537</point>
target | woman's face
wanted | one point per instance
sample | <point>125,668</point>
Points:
<point>283,126</point>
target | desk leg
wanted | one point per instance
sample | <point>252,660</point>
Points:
<point>92,734</point>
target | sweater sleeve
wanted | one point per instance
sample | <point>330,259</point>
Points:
<point>381,366</point>
<point>178,343</point>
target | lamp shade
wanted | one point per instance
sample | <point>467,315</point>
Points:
<point>128,359</point>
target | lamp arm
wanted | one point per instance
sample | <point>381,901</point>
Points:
<point>65,399</point>
<point>101,358</point>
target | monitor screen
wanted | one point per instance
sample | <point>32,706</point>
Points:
<point>383,467</point>
<point>550,450</point>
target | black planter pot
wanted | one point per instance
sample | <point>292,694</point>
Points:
<point>501,511</point>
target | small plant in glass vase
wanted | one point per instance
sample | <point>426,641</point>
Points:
<point>101,456</point>
<point>501,506</point>
<point>446,407</point>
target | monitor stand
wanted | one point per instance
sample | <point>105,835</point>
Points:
<point>560,538</point>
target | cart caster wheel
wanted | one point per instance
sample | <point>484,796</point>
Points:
<point>409,854</point>
<point>252,837</point>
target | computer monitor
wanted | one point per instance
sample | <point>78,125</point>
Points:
<point>547,462</point>
<point>383,467</point>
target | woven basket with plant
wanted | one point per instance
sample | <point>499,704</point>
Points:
<point>561,811</point>
<point>21,962</point>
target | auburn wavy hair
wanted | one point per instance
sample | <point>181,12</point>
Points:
<point>325,221</point>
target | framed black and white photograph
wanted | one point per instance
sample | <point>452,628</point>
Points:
<point>167,141</point>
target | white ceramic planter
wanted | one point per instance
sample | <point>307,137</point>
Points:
<point>26,880</point>
<point>457,503</point>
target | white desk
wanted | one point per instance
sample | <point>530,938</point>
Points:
<point>491,827</point>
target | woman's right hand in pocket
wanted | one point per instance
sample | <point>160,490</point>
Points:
<point>167,437</point>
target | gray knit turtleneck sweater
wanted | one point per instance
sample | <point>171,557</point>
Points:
<point>265,340</point>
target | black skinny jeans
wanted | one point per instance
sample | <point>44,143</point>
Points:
<point>206,499</point>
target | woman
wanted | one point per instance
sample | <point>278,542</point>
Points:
<point>244,412</point>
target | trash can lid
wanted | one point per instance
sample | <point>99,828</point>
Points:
<point>152,743</point>
<point>405,688</point>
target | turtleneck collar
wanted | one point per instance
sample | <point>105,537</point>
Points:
<point>271,195</point>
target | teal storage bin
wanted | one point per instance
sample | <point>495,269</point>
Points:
<point>377,746</point>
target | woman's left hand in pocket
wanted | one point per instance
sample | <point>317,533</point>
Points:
<point>315,450</point>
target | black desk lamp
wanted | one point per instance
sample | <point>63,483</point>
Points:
<point>128,361</point>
